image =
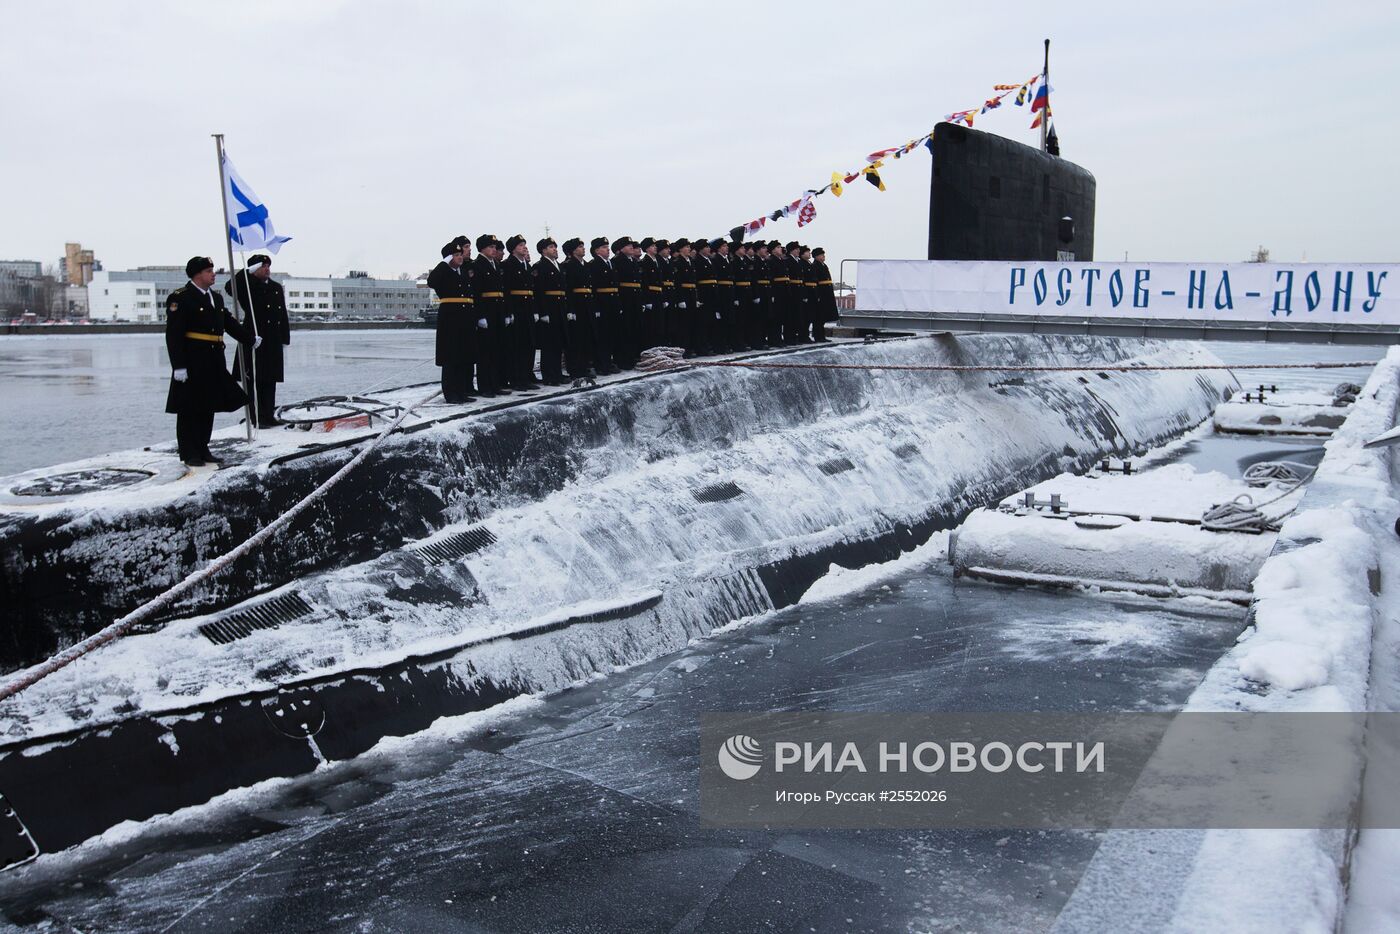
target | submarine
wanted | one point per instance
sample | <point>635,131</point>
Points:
<point>489,551</point>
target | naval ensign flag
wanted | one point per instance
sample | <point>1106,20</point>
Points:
<point>249,227</point>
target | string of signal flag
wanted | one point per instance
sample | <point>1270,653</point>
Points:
<point>1034,90</point>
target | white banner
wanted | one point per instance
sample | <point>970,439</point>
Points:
<point>1251,293</point>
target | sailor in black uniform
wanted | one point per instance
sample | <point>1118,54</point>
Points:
<point>520,309</point>
<point>489,292</point>
<point>200,384</point>
<point>580,322</point>
<point>653,294</point>
<point>552,306</point>
<point>796,324</point>
<point>724,330</point>
<point>763,295</point>
<point>627,343</point>
<point>778,267</point>
<point>703,321</point>
<point>684,308</point>
<point>456,321</point>
<point>606,306</point>
<point>744,291</point>
<point>824,303</point>
<point>668,293</point>
<point>262,296</point>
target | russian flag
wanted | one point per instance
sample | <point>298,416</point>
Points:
<point>1042,97</point>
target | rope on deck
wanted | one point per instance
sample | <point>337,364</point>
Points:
<point>1020,368</point>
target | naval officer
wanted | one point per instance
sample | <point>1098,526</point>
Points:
<point>261,296</point>
<point>456,321</point>
<point>200,384</point>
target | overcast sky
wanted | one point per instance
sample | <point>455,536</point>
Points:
<point>375,131</point>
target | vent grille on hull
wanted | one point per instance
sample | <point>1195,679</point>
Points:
<point>717,492</point>
<point>267,615</point>
<point>836,465</point>
<point>458,545</point>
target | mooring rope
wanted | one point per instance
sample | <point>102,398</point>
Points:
<point>1267,472</point>
<point>95,641</point>
<point>1018,368</point>
<point>1242,514</point>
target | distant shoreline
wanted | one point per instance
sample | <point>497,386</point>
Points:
<point>54,330</point>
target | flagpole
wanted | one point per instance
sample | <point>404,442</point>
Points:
<point>1045,83</point>
<point>228,243</point>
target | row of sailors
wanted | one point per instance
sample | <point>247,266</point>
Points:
<point>593,310</point>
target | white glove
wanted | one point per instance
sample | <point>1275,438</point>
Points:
<point>257,341</point>
<point>597,314</point>
<point>717,317</point>
<point>680,304</point>
<point>181,375</point>
<point>646,308</point>
<point>510,319</point>
<point>571,316</point>
<point>481,323</point>
<point>757,300</point>
<point>736,303</point>
<point>537,319</point>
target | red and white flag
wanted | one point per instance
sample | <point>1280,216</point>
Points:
<point>806,212</point>
<point>754,226</point>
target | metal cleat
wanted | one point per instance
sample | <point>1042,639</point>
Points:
<point>1056,504</point>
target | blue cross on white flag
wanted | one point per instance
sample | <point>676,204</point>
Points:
<point>249,227</point>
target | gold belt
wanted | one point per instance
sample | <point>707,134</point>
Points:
<point>781,281</point>
<point>583,291</point>
<point>554,292</point>
<point>811,285</point>
<point>490,295</point>
<point>653,288</point>
<point>687,285</point>
<point>202,336</point>
<point>823,282</point>
<point>607,290</point>
<point>745,284</point>
<point>670,283</point>
<point>728,282</point>
<point>708,282</point>
<point>630,285</point>
<point>765,282</point>
<point>527,293</point>
<point>456,301</point>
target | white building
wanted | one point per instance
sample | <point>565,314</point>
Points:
<point>139,295</point>
<point>134,294</point>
